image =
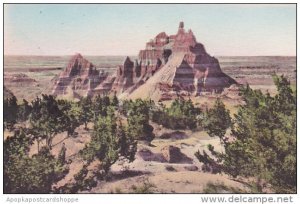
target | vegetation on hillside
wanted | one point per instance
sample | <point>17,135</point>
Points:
<point>113,137</point>
<point>181,114</point>
<point>29,174</point>
<point>262,143</point>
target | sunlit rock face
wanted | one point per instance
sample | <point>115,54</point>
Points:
<point>125,75</point>
<point>170,65</point>
<point>79,78</point>
<point>173,65</point>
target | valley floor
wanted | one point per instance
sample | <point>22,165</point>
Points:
<point>150,169</point>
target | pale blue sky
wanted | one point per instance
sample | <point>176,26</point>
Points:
<point>102,29</point>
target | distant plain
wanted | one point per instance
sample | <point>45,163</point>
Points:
<point>256,71</point>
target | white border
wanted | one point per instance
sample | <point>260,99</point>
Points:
<point>131,198</point>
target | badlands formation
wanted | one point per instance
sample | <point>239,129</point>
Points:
<point>170,66</point>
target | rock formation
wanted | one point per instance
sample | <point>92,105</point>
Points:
<point>7,93</point>
<point>125,76</point>
<point>79,78</point>
<point>185,69</point>
<point>173,155</point>
<point>19,79</point>
<point>168,67</point>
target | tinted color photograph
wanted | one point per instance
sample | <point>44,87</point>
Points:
<point>149,98</point>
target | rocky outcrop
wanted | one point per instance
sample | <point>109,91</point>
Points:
<point>125,75</point>
<point>18,78</point>
<point>170,66</point>
<point>79,78</point>
<point>185,68</point>
<point>176,135</point>
<point>173,155</point>
<point>148,155</point>
<point>233,92</point>
<point>168,154</point>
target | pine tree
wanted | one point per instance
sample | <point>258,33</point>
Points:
<point>74,114</point>
<point>217,120</point>
<point>47,119</point>
<point>62,155</point>
<point>24,111</point>
<point>86,106</point>
<point>115,101</point>
<point>24,174</point>
<point>109,142</point>
<point>138,120</point>
<point>10,108</point>
<point>264,144</point>
<point>181,114</point>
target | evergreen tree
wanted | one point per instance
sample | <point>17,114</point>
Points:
<point>106,101</point>
<point>180,115</point>
<point>87,114</point>
<point>264,144</point>
<point>217,120</point>
<point>138,120</point>
<point>24,111</point>
<point>10,108</point>
<point>74,114</point>
<point>47,119</point>
<point>98,107</point>
<point>25,174</point>
<point>109,142</point>
<point>62,155</point>
<point>115,101</point>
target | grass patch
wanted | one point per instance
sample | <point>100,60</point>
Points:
<point>221,188</point>
<point>146,188</point>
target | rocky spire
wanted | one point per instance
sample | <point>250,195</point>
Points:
<point>169,63</point>
<point>181,25</point>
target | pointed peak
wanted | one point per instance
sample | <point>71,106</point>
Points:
<point>127,59</point>
<point>162,35</point>
<point>128,62</point>
<point>181,25</point>
<point>78,57</point>
<point>77,54</point>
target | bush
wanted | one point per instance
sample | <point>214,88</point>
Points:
<point>10,115</point>
<point>146,188</point>
<point>217,120</point>
<point>212,188</point>
<point>137,113</point>
<point>24,174</point>
<point>264,139</point>
<point>109,142</point>
<point>181,115</point>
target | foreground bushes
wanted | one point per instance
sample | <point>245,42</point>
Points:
<point>25,174</point>
<point>180,115</point>
<point>263,140</point>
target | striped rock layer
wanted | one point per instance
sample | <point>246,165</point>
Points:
<point>170,65</point>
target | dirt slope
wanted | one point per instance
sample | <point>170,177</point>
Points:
<point>164,76</point>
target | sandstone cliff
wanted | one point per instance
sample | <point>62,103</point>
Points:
<point>79,78</point>
<point>185,68</point>
<point>168,67</point>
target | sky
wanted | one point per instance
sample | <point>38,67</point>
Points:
<point>119,29</point>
